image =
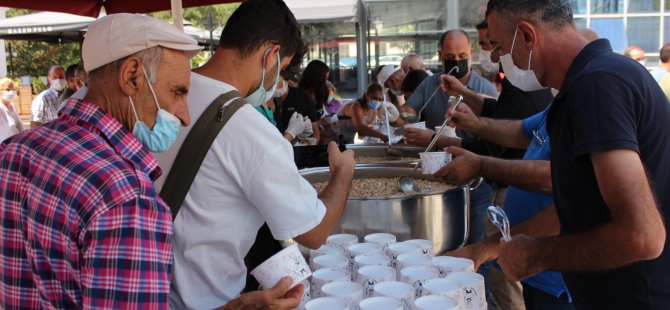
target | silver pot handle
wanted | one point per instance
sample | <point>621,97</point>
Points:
<point>475,183</point>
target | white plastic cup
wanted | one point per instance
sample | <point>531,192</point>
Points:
<point>435,302</point>
<point>370,260</point>
<point>396,249</point>
<point>326,303</point>
<point>437,260</point>
<point>443,287</point>
<point>472,289</point>
<point>419,125</point>
<point>359,249</point>
<point>398,290</point>
<point>426,245</point>
<point>343,241</point>
<point>288,262</point>
<point>431,162</point>
<point>382,239</point>
<point>306,295</point>
<point>380,303</point>
<point>448,131</point>
<point>368,276</point>
<point>349,292</point>
<point>331,261</point>
<point>323,250</point>
<point>325,276</point>
<point>413,259</point>
<point>455,264</point>
<point>418,275</point>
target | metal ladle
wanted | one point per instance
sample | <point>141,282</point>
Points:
<point>389,149</point>
<point>407,184</point>
<point>499,218</point>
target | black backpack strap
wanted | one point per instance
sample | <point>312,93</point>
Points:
<point>195,148</point>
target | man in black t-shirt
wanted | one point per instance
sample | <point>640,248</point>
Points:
<point>610,132</point>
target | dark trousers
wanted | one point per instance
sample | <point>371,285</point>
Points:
<point>537,299</point>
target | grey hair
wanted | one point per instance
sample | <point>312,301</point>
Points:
<point>554,13</point>
<point>150,59</point>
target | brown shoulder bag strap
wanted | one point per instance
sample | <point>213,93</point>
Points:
<point>195,148</point>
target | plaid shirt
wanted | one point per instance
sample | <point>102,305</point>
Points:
<point>81,223</point>
<point>45,106</point>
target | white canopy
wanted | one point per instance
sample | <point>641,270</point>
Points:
<point>317,11</point>
<point>45,26</point>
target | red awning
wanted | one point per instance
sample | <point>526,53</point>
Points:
<point>92,7</point>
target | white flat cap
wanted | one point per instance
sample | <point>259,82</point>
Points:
<point>116,36</point>
<point>385,73</point>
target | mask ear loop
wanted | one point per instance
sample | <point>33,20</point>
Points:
<point>513,41</point>
<point>262,86</point>
<point>150,87</point>
<point>132,106</point>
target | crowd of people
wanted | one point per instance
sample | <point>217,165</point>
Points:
<point>143,183</point>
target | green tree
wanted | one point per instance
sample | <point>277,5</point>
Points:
<point>199,15</point>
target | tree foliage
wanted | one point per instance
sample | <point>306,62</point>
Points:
<point>199,15</point>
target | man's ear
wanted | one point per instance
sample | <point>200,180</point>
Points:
<point>529,37</point>
<point>130,76</point>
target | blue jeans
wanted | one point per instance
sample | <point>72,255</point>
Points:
<point>537,299</point>
<point>480,199</point>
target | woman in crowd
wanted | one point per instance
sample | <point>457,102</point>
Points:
<point>10,121</point>
<point>313,81</point>
<point>329,118</point>
<point>362,115</point>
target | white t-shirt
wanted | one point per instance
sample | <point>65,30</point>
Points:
<point>10,122</point>
<point>247,177</point>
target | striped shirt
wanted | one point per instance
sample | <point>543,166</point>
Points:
<point>81,223</point>
<point>45,106</point>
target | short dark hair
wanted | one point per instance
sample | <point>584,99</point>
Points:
<point>313,80</point>
<point>70,71</point>
<point>448,32</point>
<point>412,80</point>
<point>482,25</point>
<point>556,13</point>
<point>665,53</point>
<point>257,22</point>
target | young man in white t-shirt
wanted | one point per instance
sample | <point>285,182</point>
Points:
<point>248,176</point>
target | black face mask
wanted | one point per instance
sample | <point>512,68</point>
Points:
<point>462,67</point>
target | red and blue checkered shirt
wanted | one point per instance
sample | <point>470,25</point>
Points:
<point>81,223</point>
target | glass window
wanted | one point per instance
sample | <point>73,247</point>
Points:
<point>579,6</point>
<point>612,29</point>
<point>580,23</point>
<point>644,32</point>
<point>667,5</point>
<point>666,31</point>
<point>471,12</point>
<point>644,6</point>
<point>607,6</point>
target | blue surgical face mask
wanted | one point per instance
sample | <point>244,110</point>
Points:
<point>330,99</point>
<point>261,95</point>
<point>374,104</point>
<point>165,130</point>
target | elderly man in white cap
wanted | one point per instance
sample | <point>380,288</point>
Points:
<point>81,223</point>
<point>390,77</point>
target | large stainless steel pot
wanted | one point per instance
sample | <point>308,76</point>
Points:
<point>440,217</point>
<point>402,153</point>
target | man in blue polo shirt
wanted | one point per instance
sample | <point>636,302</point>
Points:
<point>528,194</point>
<point>610,130</point>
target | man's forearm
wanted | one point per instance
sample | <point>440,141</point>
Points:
<point>473,100</point>
<point>530,175</point>
<point>543,224</point>
<point>334,197</point>
<point>506,133</point>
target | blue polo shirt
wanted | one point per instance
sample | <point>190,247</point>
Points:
<point>609,102</point>
<point>521,205</point>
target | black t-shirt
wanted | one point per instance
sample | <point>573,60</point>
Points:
<point>513,103</point>
<point>296,101</point>
<point>609,102</point>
